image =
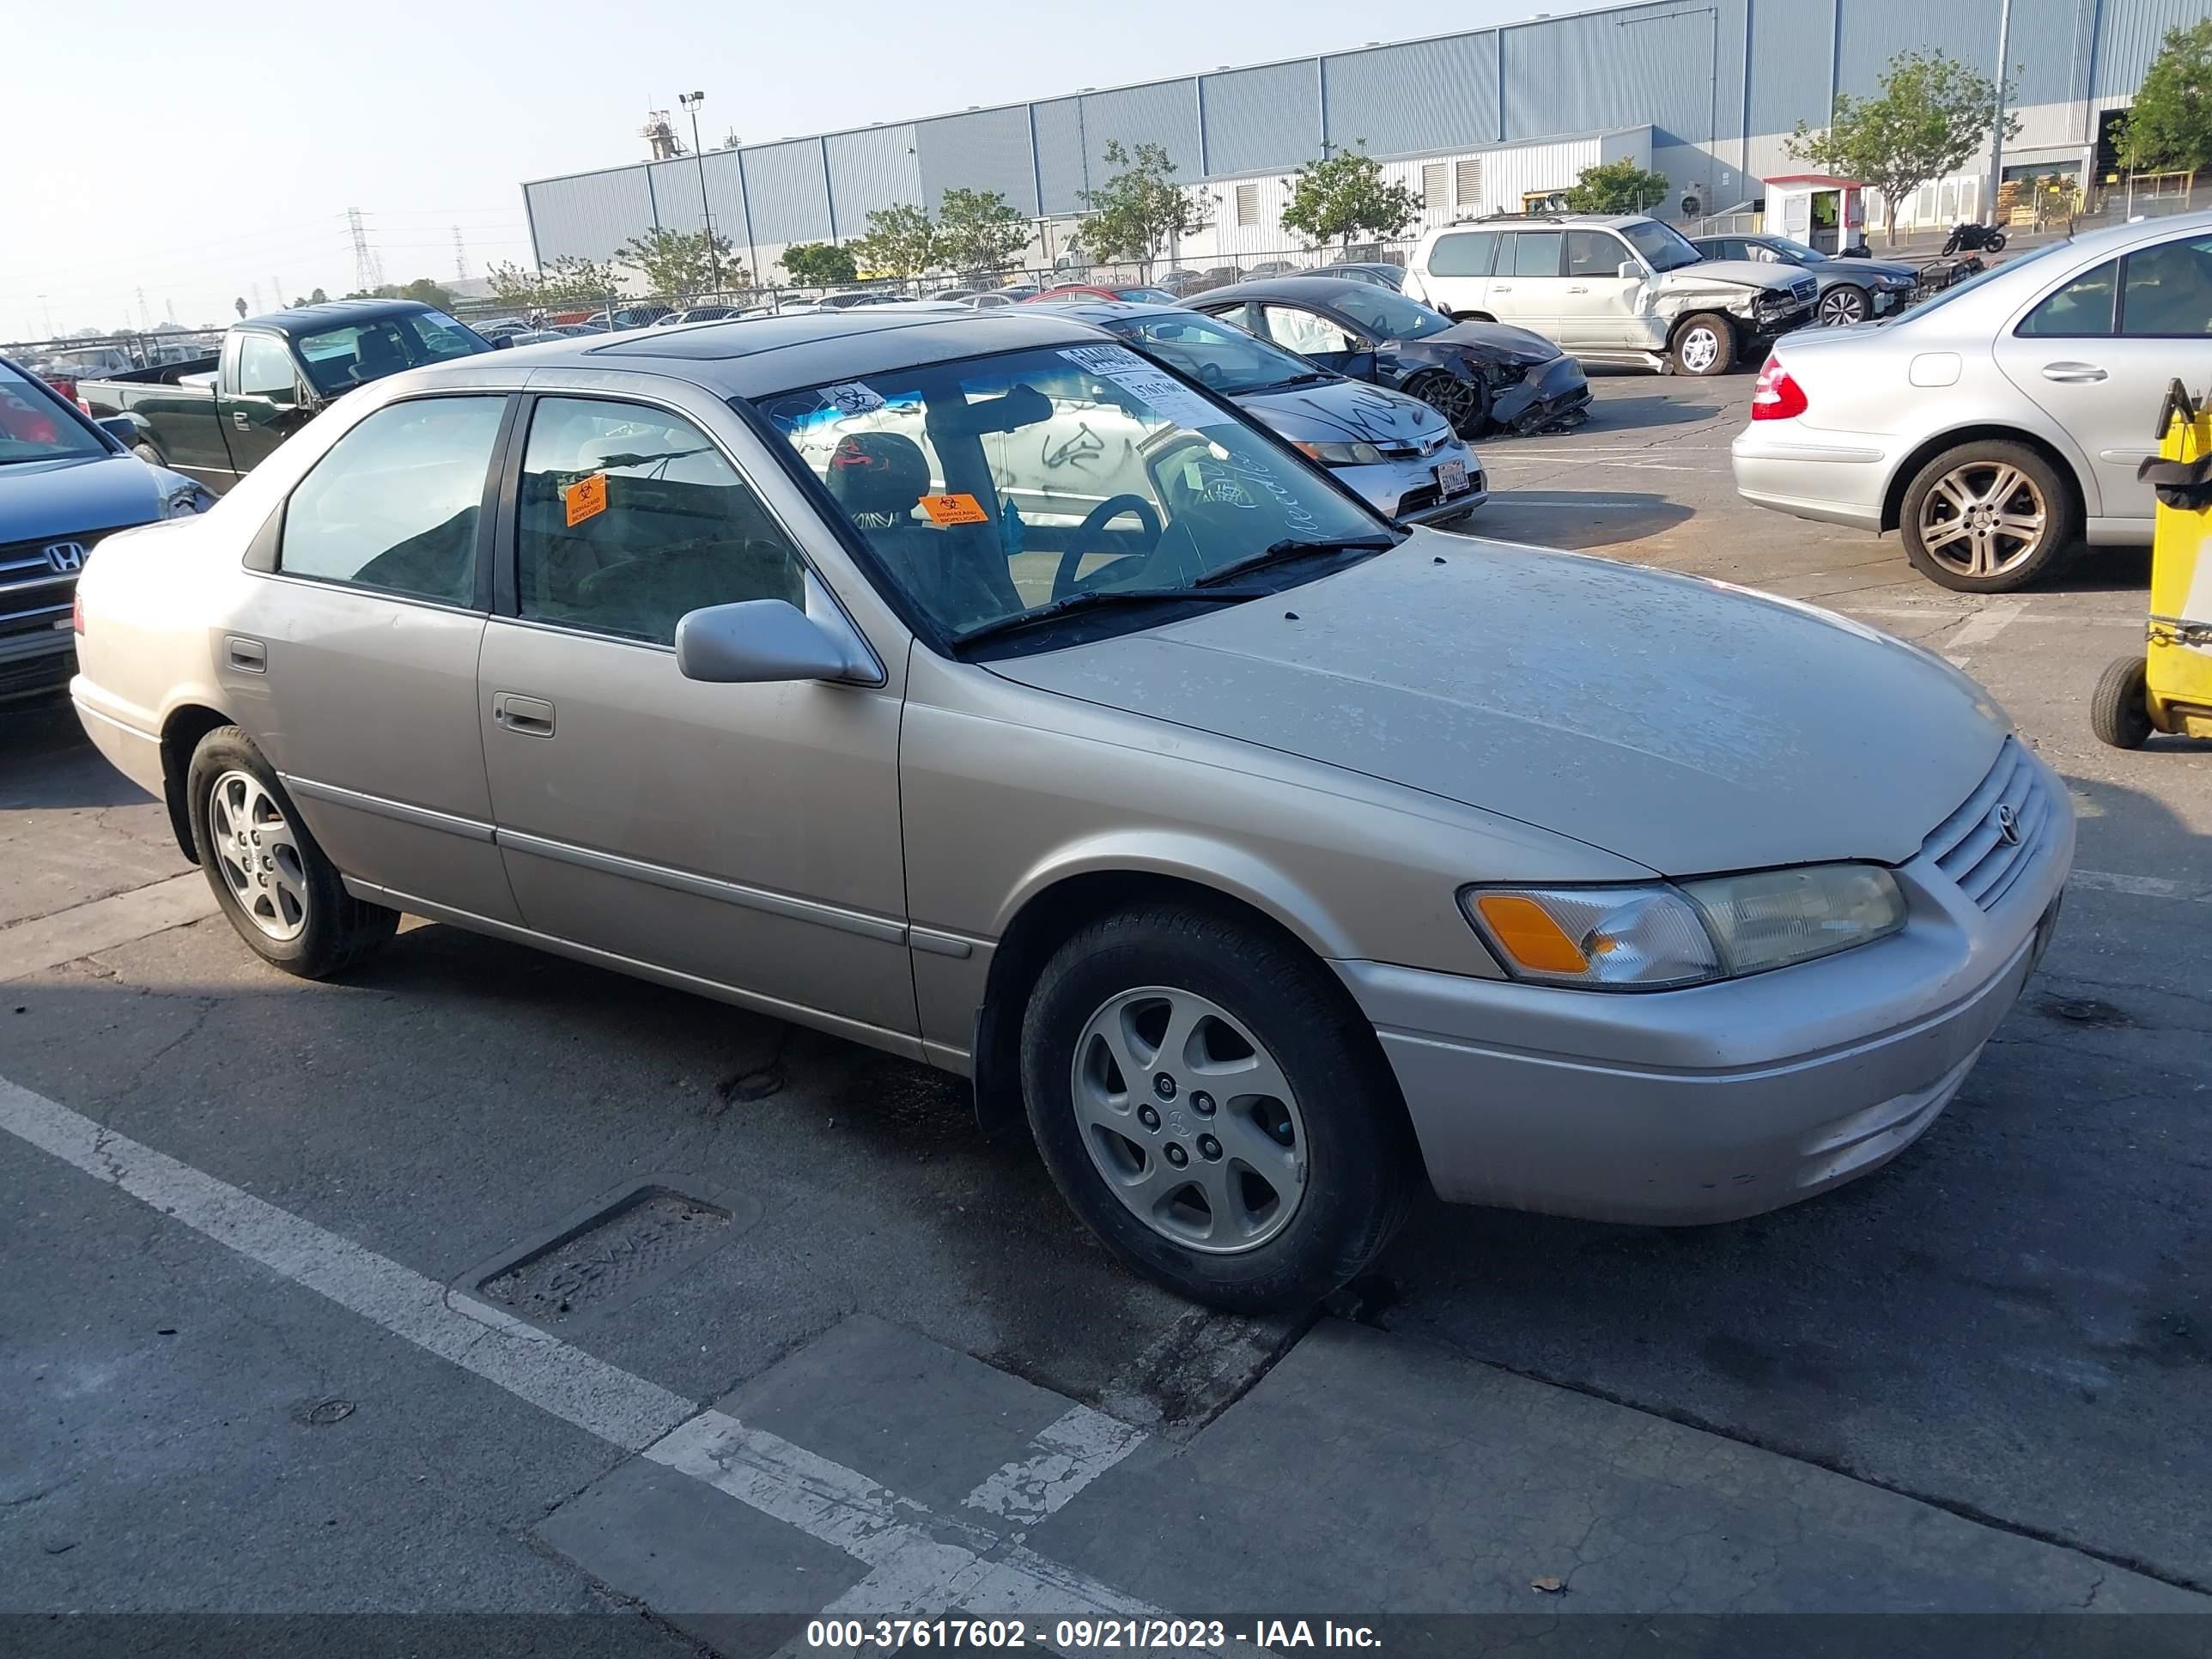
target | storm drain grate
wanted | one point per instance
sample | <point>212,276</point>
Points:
<point>617,1251</point>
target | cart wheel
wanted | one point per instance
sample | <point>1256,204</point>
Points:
<point>2119,712</point>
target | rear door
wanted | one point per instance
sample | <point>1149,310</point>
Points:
<point>1526,287</point>
<point>2098,350</point>
<point>264,401</point>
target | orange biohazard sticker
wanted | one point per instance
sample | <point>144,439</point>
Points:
<point>586,498</point>
<point>954,509</point>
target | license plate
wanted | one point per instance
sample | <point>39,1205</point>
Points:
<point>1451,477</point>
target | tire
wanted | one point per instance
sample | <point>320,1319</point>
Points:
<point>1462,403</point>
<point>2000,487</point>
<point>148,454</point>
<point>1843,305</point>
<point>1703,345</point>
<point>281,893</point>
<point>2119,708</point>
<point>1996,242</point>
<point>1319,1170</point>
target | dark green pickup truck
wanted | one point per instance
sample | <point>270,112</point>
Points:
<point>217,418</point>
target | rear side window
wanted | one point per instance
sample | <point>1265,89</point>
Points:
<point>2082,308</point>
<point>1463,253</point>
<point>394,505</point>
<point>1535,253</point>
<point>630,518</point>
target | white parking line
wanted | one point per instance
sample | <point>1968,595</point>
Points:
<point>918,1562</point>
<point>1984,625</point>
<point>2104,881</point>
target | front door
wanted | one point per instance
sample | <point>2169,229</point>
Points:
<point>2098,350</point>
<point>747,835</point>
<point>269,404</point>
<point>1598,306</point>
<point>353,660</point>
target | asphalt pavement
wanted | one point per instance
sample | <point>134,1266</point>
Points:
<point>290,1325</point>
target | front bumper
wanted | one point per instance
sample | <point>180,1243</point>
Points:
<point>1412,490</point>
<point>1722,1101</point>
<point>37,661</point>
<point>1552,395</point>
<point>1836,477</point>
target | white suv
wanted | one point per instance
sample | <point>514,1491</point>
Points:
<point>1621,287</point>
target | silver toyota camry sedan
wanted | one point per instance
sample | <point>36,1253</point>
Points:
<point>1265,857</point>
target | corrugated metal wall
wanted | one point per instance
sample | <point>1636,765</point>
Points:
<point>1427,94</point>
<point>2129,35</point>
<point>786,190</point>
<point>986,149</point>
<point>1261,118</point>
<point>869,170</point>
<point>1676,65</point>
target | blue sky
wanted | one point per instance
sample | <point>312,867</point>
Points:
<point>196,151</point>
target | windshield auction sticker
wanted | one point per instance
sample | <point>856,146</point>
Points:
<point>1159,390</point>
<point>586,498</point>
<point>852,399</point>
<point>954,509</point>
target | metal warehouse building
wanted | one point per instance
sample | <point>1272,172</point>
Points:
<point>1707,94</point>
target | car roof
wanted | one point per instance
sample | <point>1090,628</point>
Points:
<point>752,356</point>
<point>1322,290</point>
<point>295,321</point>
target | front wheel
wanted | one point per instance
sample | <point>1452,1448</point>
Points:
<point>2119,708</point>
<point>1705,344</point>
<point>1844,305</point>
<point>1214,1109</point>
<point>281,894</point>
<point>1465,405</point>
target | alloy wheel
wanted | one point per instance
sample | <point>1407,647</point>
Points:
<point>1700,349</point>
<point>1189,1120</point>
<point>1841,306</point>
<point>1460,404</point>
<point>258,854</point>
<point>1982,519</point>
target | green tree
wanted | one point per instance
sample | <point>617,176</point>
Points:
<point>1617,188</point>
<point>1930,116</point>
<point>819,265</point>
<point>1340,196</point>
<point>900,241</point>
<point>568,280</point>
<point>979,230</point>
<point>682,262</point>
<point>2171,125</point>
<point>1139,209</point>
<point>422,290</point>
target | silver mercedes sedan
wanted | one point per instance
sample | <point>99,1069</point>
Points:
<point>2000,424</point>
<point>1266,858</point>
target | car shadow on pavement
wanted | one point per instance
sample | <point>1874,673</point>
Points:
<point>1577,520</point>
<point>2087,569</point>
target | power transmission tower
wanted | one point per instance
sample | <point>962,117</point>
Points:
<point>460,257</point>
<point>366,269</point>
<point>145,317</point>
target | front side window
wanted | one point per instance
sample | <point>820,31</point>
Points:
<point>630,517</point>
<point>394,505</point>
<point>2081,309</point>
<point>1306,332</point>
<point>265,367</point>
<point>2168,291</point>
<point>990,487</point>
<point>1594,253</point>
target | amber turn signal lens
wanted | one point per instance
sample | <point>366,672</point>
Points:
<point>1530,935</point>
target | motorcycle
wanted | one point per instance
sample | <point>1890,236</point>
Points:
<point>1975,238</point>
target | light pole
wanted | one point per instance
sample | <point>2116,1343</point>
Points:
<point>691,100</point>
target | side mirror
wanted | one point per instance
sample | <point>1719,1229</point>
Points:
<point>1358,365</point>
<point>1630,272</point>
<point>757,642</point>
<point>501,342</point>
<point>120,427</point>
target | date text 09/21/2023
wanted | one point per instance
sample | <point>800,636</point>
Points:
<point>1157,1635</point>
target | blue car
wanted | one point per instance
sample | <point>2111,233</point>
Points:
<point>65,482</point>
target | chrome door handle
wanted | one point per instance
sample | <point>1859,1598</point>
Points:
<point>249,655</point>
<point>2073,373</point>
<point>1577,290</point>
<point>238,419</point>
<point>530,716</point>
<point>1501,288</point>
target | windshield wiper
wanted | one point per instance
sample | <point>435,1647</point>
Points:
<point>1089,599</point>
<point>1307,379</point>
<point>1283,551</point>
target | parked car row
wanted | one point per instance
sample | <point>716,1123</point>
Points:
<point>982,690</point>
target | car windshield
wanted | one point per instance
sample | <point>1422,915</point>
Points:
<point>34,427</point>
<point>997,486</point>
<point>1936,301</point>
<point>339,359</point>
<point>1663,248</point>
<point>1145,296</point>
<point>1391,315</point>
<point>1797,253</point>
<point>1227,359</point>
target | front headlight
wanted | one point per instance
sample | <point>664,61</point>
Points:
<point>1351,455</point>
<point>1651,937</point>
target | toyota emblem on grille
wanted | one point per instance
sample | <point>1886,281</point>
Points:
<point>66,557</point>
<point>2007,825</point>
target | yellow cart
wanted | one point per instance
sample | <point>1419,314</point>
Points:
<point>2169,688</point>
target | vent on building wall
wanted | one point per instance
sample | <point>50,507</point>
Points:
<point>1248,205</point>
<point>1432,185</point>
<point>1468,187</point>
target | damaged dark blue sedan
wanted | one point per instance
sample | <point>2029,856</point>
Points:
<point>1480,376</point>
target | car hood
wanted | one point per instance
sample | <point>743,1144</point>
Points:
<point>1691,726</point>
<point>1731,273</point>
<point>60,497</point>
<point>1346,411</point>
<point>1501,341</point>
<point>1847,270</point>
